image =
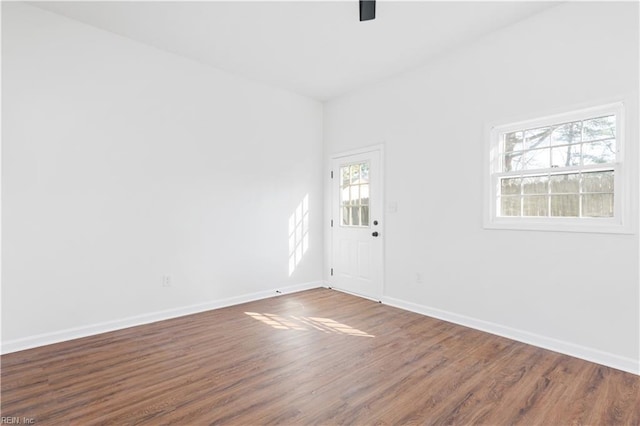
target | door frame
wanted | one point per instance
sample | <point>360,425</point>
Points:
<point>377,148</point>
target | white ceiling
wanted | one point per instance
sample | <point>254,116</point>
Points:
<point>318,49</point>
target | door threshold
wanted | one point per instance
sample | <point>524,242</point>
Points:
<point>363,296</point>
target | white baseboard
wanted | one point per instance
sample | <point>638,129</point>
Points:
<point>103,327</point>
<point>594,355</point>
<point>600,357</point>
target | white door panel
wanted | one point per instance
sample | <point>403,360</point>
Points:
<point>364,260</point>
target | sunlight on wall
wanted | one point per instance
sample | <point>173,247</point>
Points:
<point>298,233</point>
<point>324,325</point>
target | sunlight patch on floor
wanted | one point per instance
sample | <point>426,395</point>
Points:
<point>325,325</point>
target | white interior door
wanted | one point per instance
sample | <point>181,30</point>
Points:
<point>357,235</point>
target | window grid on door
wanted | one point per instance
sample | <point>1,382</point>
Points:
<point>354,194</point>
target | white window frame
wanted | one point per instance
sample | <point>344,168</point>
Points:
<point>619,223</point>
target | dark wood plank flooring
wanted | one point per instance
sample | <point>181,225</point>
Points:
<point>316,357</point>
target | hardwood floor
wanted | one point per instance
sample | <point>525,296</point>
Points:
<point>316,357</point>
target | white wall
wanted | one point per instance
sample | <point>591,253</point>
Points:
<point>573,292</point>
<point>122,163</point>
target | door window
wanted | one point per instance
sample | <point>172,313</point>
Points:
<point>354,194</point>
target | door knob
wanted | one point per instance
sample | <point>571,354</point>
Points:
<point>375,234</point>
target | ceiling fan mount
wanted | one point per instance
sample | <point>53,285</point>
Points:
<point>367,10</point>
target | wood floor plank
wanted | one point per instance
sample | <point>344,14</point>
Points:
<point>316,357</point>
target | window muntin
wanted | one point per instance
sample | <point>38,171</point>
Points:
<point>354,194</point>
<point>559,173</point>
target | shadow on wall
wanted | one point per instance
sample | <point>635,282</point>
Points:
<point>298,233</point>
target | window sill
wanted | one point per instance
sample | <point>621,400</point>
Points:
<point>599,226</point>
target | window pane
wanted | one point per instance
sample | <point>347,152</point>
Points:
<point>344,196</point>
<point>565,205</point>
<point>364,217</point>
<point>344,173</point>
<point>355,173</point>
<point>597,205</point>
<point>565,156</point>
<point>512,161</point>
<point>355,216</point>
<point>510,186</point>
<point>345,216</point>
<point>599,128</point>
<point>537,159</point>
<point>537,138</point>
<point>510,206</point>
<point>364,172</point>
<point>567,133</point>
<point>599,152</point>
<point>364,194</point>
<point>355,195</point>
<point>513,141</point>
<point>569,183</point>
<point>597,182</point>
<point>535,185</point>
<point>535,205</point>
